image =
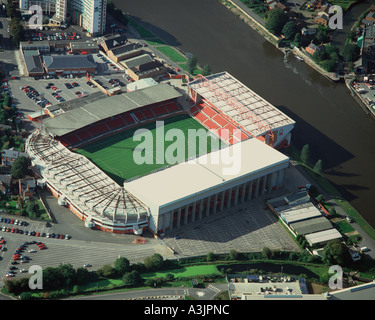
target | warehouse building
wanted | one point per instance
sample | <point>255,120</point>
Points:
<point>60,65</point>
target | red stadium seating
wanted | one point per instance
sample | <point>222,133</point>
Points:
<point>140,116</point>
<point>148,113</point>
<point>219,120</point>
<point>160,110</point>
<point>116,123</point>
<point>209,112</point>
<point>72,139</point>
<point>211,125</point>
<point>129,120</point>
<point>172,107</point>
<point>83,134</point>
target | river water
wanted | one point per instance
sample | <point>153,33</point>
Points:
<point>327,117</point>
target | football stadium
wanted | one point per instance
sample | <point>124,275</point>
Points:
<point>85,151</point>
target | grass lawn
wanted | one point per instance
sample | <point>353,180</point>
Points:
<point>184,272</point>
<point>172,54</point>
<point>345,205</point>
<point>114,154</point>
<point>344,226</point>
<point>155,42</point>
<point>143,32</point>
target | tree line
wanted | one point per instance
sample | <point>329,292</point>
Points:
<point>327,56</point>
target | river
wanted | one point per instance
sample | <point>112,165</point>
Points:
<point>328,118</point>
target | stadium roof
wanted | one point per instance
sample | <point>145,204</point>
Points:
<point>233,98</point>
<point>84,184</point>
<point>87,114</point>
<point>205,174</point>
<point>311,225</point>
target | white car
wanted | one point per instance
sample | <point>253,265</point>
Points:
<point>32,250</point>
<point>365,249</point>
<point>23,270</point>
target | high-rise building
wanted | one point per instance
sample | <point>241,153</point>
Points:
<point>88,14</point>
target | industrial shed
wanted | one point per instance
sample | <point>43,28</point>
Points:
<point>311,225</point>
<point>322,237</point>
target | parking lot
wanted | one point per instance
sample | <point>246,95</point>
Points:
<point>367,91</point>
<point>56,252</point>
<point>247,228</point>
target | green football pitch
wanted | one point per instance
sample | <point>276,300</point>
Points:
<point>128,154</point>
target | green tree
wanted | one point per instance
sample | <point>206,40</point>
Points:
<point>328,65</point>
<point>7,100</point>
<point>318,168</point>
<point>157,261</point>
<point>321,35</point>
<point>335,252</point>
<point>275,21</point>
<point>83,276</point>
<point>169,276</point>
<point>210,256</point>
<point>131,278</point>
<point>320,198</point>
<point>32,208</point>
<point>206,70</point>
<point>267,253</point>
<point>52,279</point>
<point>121,265</point>
<point>106,271</point>
<point>351,52</point>
<point>297,40</point>
<point>68,273</point>
<point>289,30</point>
<point>305,154</point>
<point>20,168</point>
<point>3,116</point>
<point>11,10</point>
<point>233,254</point>
<point>192,64</point>
<point>320,55</point>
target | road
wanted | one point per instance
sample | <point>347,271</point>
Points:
<point>207,293</point>
<point>7,53</point>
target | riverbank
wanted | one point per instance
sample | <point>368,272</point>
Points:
<point>247,16</point>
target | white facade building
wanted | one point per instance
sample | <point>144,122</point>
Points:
<point>88,14</point>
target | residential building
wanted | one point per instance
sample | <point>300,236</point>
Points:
<point>90,15</point>
<point>112,42</point>
<point>312,48</point>
<point>148,70</point>
<point>322,18</point>
<point>9,155</point>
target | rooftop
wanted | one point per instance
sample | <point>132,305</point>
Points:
<point>69,62</point>
<point>85,114</point>
<point>243,105</point>
<point>323,236</point>
<point>311,225</point>
<point>206,172</point>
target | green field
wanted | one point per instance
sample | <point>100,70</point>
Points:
<point>191,271</point>
<point>114,154</point>
<point>173,54</point>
